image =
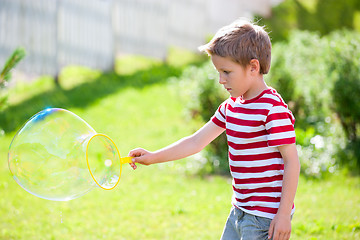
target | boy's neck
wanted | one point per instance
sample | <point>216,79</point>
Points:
<point>258,87</point>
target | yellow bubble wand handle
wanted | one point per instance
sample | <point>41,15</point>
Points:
<point>123,160</point>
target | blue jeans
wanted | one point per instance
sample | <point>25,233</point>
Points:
<point>244,226</point>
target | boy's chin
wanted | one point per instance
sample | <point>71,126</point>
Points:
<point>234,95</point>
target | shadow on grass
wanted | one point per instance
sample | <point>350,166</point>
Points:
<point>85,94</point>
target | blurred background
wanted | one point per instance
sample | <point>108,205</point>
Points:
<point>92,33</point>
<point>132,70</point>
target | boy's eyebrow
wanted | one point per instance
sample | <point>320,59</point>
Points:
<point>219,69</point>
<point>224,69</point>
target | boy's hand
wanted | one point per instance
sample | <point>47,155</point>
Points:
<point>141,156</point>
<point>280,227</point>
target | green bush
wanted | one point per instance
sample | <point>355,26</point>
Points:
<point>345,70</point>
<point>299,72</point>
<point>319,78</point>
<point>206,94</point>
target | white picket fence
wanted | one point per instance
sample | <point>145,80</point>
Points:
<point>57,33</point>
<point>149,27</point>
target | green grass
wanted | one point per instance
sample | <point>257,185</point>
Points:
<point>328,209</point>
<point>155,202</point>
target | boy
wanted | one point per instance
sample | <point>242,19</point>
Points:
<point>259,127</point>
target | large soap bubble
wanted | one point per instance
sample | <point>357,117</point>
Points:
<point>58,156</point>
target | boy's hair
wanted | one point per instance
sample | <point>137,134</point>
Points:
<point>242,41</point>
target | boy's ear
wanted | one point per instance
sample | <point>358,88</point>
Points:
<point>254,66</point>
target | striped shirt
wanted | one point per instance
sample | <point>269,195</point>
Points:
<point>255,128</point>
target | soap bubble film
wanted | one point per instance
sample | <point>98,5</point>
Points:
<point>47,156</point>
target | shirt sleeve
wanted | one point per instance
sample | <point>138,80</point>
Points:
<point>280,126</point>
<point>219,118</point>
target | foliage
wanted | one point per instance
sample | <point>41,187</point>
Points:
<point>299,73</point>
<point>318,77</point>
<point>345,70</point>
<point>5,74</point>
<point>200,85</point>
<point>13,60</point>
<point>346,73</point>
<point>322,16</point>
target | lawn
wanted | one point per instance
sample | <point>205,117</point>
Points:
<point>141,108</point>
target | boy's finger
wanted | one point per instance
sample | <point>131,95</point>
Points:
<point>134,159</point>
<point>132,164</point>
<point>271,230</point>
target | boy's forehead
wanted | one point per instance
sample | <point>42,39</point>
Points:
<point>222,61</point>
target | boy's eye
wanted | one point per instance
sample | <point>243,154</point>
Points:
<point>226,72</point>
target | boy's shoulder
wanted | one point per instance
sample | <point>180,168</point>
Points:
<point>273,98</point>
<point>278,105</point>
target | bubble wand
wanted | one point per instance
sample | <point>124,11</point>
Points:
<point>57,156</point>
<point>123,160</point>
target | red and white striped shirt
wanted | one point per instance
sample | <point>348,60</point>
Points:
<point>255,128</point>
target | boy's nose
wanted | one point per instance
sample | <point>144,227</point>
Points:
<point>222,80</point>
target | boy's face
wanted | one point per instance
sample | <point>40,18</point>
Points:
<point>235,78</point>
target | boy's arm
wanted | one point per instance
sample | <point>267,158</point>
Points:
<point>280,227</point>
<point>184,147</point>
